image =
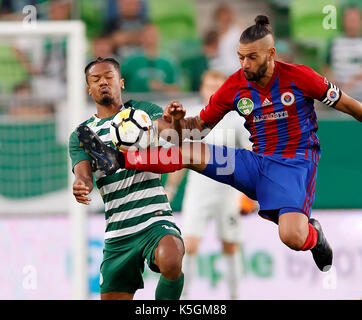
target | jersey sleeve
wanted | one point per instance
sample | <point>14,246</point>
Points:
<point>76,152</point>
<point>220,103</point>
<point>318,87</point>
<point>152,109</point>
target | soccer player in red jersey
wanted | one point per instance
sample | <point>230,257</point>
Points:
<point>277,101</point>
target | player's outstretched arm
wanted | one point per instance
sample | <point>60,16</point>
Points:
<point>83,183</point>
<point>350,106</point>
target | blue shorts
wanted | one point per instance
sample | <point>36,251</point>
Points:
<point>280,185</point>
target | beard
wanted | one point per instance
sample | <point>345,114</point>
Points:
<point>260,73</point>
<point>106,101</point>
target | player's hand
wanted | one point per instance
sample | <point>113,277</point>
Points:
<point>174,111</point>
<point>81,190</point>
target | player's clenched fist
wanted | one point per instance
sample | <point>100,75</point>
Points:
<point>81,190</point>
<point>174,110</point>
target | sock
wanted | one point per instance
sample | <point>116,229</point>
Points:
<point>156,159</point>
<point>311,240</point>
<point>169,289</point>
<point>188,267</point>
<point>232,274</point>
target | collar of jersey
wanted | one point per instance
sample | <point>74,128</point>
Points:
<point>96,119</point>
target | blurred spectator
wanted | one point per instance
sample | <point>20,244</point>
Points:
<point>284,51</point>
<point>229,34</point>
<point>12,70</point>
<point>175,19</point>
<point>344,63</point>
<point>59,9</point>
<point>195,66</point>
<point>150,70</point>
<point>103,46</point>
<point>126,19</point>
<point>93,14</point>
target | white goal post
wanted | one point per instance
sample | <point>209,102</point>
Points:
<point>74,32</point>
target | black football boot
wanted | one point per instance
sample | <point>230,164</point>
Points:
<point>322,251</point>
<point>104,158</point>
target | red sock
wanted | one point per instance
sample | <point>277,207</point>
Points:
<point>311,240</point>
<point>157,160</point>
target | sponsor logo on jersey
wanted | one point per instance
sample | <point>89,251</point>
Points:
<point>245,106</point>
<point>271,116</point>
<point>266,102</point>
<point>287,98</point>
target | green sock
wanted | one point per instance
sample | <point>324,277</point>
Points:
<point>169,289</point>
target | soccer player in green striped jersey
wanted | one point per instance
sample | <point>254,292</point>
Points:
<point>139,221</point>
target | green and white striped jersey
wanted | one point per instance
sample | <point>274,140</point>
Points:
<point>133,199</point>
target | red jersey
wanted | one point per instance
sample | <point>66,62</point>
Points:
<point>280,117</point>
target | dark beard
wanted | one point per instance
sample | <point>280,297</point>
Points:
<point>255,76</point>
<point>106,101</point>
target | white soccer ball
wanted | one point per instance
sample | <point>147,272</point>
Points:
<point>132,129</point>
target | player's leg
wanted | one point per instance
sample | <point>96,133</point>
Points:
<point>215,162</point>
<point>117,296</point>
<point>195,213</point>
<point>121,269</point>
<point>189,263</point>
<point>232,260</point>
<point>285,193</point>
<point>168,258</point>
<point>294,230</point>
<point>228,223</point>
<point>300,233</point>
<point>236,167</point>
<point>192,155</point>
<point>157,159</point>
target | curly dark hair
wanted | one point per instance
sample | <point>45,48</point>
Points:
<point>112,61</point>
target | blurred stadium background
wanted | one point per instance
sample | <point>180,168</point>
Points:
<point>50,247</point>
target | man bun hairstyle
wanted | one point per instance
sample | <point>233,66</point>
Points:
<point>259,30</point>
<point>262,20</point>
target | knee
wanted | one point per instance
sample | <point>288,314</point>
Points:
<point>171,268</point>
<point>169,260</point>
<point>294,238</point>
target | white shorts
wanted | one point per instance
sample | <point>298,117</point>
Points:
<point>204,199</point>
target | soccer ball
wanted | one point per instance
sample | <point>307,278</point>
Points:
<point>132,129</point>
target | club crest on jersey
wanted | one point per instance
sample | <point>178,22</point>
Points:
<point>287,98</point>
<point>245,106</point>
